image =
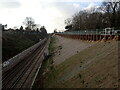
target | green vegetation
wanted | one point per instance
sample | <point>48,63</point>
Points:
<point>47,72</point>
<point>17,42</point>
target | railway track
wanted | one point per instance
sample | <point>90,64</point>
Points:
<point>21,76</point>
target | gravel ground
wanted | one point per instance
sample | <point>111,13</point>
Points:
<point>66,49</point>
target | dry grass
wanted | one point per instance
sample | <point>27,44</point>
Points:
<point>94,67</point>
<point>69,48</point>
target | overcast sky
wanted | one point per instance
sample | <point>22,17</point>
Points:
<point>50,13</point>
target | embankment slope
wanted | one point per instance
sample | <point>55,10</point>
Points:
<point>93,67</point>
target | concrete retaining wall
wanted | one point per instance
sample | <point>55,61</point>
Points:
<point>16,59</point>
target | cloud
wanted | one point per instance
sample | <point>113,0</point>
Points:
<point>90,6</point>
<point>93,7</point>
<point>76,5</point>
<point>9,4</point>
<point>50,14</point>
<point>71,0</point>
<point>67,8</point>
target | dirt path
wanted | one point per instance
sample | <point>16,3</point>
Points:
<point>66,49</point>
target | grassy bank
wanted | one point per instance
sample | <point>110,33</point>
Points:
<point>47,71</point>
<point>16,43</point>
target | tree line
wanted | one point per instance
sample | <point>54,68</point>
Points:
<point>30,26</point>
<point>107,15</point>
<point>15,40</point>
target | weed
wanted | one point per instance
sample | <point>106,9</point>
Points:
<point>47,64</point>
<point>82,81</point>
<point>80,76</point>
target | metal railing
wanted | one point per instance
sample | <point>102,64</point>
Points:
<point>91,32</point>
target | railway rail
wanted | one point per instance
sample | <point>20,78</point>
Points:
<point>22,74</point>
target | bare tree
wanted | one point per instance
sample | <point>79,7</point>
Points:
<point>111,7</point>
<point>29,22</point>
<point>106,15</point>
<point>55,30</point>
<point>68,21</point>
<point>36,26</point>
<point>43,30</point>
<point>21,28</point>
